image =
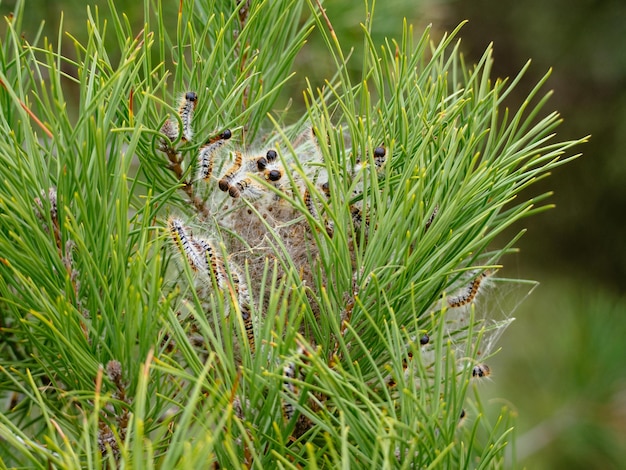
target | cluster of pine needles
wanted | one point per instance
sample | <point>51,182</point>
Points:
<point>190,277</point>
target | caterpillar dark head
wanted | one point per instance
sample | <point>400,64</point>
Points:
<point>261,163</point>
<point>223,185</point>
<point>274,175</point>
<point>481,370</point>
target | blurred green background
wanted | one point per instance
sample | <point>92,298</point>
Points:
<point>563,363</point>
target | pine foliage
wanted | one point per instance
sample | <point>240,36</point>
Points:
<point>191,278</point>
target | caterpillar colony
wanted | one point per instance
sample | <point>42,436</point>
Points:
<point>245,201</point>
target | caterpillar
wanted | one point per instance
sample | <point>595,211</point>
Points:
<point>185,110</point>
<point>243,299</point>
<point>357,218</point>
<point>224,183</point>
<point>312,208</point>
<point>203,258</point>
<point>170,130</point>
<point>211,262</point>
<point>310,204</point>
<point>185,243</point>
<point>469,294</point>
<point>246,316</point>
<point>289,372</point>
<point>207,153</point>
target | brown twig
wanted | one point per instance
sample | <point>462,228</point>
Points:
<point>328,23</point>
<point>175,159</point>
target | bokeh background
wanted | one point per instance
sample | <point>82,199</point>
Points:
<point>562,367</point>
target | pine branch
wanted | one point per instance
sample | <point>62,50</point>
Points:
<point>318,291</point>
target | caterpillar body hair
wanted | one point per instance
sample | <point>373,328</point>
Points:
<point>312,208</point>
<point>170,130</point>
<point>51,195</point>
<point>211,262</point>
<point>185,243</point>
<point>246,316</point>
<point>205,160</point>
<point>310,205</point>
<point>237,172</point>
<point>289,372</point>
<point>243,299</point>
<point>469,293</point>
<point>225,183</point>
<point>357,218</point>
<point>206,154</point>
<point>185,110</point>
<point>240,287</point>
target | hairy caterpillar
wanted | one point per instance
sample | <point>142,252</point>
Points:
<point>185,110</point>
<point>224,183</point>
<point>243,300</point>
<point>185,243</point>
<point>469,293</point>
<point>289,372</point>
<point>211,262</point>
<point>206,154</point>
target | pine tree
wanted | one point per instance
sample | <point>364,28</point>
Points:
<point>191,278</point>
